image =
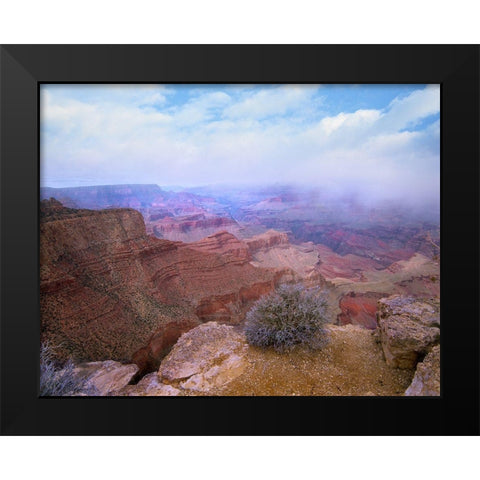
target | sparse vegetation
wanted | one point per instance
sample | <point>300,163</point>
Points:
<point>290,316</point>
<point>56,380</point>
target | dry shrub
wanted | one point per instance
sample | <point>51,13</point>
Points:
<point>290,316</point>
<point>56,380</point>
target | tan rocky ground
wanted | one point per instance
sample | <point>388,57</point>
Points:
<point>215,360</point>
<point>351,364</point>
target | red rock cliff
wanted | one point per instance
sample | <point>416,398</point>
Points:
<point>109,291</point>
<point>267,240</point>
<point>226,244</point>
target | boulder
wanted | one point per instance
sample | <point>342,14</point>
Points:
<point>408,329</point>
<point>426,382</point>
<point>149,386</point>
<point>425,311</point>
<point>104,378</point>
<point>209,356</point>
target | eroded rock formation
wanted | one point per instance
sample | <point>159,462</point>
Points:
<point>149,386</point>
<point>209,356</point>
<point>226,244</point>
<point>109,291</point>
<point>104,378</point>
<point>190,228</point>
<point>215,359</point>
<point>426,382</point>
<point>267,240</point>
<point>299,262</point>
<point>408,328</point>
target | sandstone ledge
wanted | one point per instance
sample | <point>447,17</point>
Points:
<point>426,382</point>
<point>208,356</point>
<point>408,329</point>
<point>104,378</point>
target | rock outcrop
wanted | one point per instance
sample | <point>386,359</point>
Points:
<point>299,262</point>
<point>267,240</point>
<point>214,359</point>
<point>424,311</point>
<point>104,378</point>
<point>426,382</point>
<point>157,346</point>
<point>226,244</point>
<point>110,291</point>
<point>149,386</point>
<point>408,329</point>
<point>209,356</point>
<point>190,228</point>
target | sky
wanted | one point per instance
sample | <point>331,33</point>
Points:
<point>382,141</point>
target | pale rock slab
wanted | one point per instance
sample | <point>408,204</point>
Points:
<point>426,382</point>
<point>149,386</point>
<point>209,356</point>
<point>103,378</point>
<point>408,328</point>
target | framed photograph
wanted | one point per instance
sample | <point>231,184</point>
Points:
<point>239,240</point>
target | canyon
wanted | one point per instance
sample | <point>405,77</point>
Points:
<point>110,291</point>
<point>127,271</point>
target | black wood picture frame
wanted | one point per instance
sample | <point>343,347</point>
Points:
<point>24,67</point>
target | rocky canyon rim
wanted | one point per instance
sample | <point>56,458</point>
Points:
<point>112,291</point>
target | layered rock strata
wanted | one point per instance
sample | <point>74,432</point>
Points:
<point>273,249</point>
<point>267,240</point>
<point>110,291</point>
<point>226,244</point>
<point>190,228</point>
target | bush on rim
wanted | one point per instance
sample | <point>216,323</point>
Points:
<point>292,315</point>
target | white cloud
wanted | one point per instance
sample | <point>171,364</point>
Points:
<point>271,101</point>
<point>200,109</point>
<point>236,134</point>
<point>360,119</point>
<point>408,111</point>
